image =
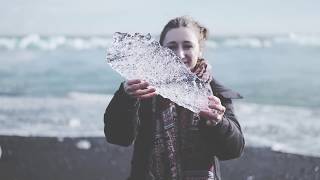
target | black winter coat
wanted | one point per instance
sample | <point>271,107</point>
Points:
<point>128,121</point>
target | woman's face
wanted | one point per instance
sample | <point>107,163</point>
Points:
<point>184,42</point>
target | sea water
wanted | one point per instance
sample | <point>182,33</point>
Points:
<point>61,85</point>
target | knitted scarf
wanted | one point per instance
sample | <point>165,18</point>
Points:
<point>170,124</point>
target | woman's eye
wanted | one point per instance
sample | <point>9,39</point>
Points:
<point>187,46</point>
<point>172,47</point>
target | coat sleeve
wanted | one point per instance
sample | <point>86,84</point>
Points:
<point>121,119</point>
<point>226,140</point>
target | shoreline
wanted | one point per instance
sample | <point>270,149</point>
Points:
<point>93,158</point>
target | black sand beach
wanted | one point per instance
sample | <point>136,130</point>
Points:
<point>44,158</point>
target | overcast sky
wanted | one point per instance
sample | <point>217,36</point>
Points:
<point>87,17</point>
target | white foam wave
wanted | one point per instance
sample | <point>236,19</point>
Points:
<point>89,96</point>
<point>212,44</point>
<point>246,42</point>
<point>283,128</point>
<point>35,41</point>
<point>267,42</point>
<point>8,43</point>
<point>74,122</point>
<point>77,114</point>
<point>298,39</point>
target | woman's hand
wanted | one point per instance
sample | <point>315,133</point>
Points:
<point>214,112</point>
<point>139,89</point>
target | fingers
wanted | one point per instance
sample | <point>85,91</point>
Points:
<point>215,104</point>
<point>215,99</point>
<point>219,108</point>
<point>215,110</point>
<point>207,114</point>
<point>133,81</point>
<point>135,87</point>
<point>146,96</point>
<point>139,89</point>
<point>141,92</point>
<point>211,117</point>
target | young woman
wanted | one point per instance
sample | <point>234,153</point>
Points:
<point>171,142</point>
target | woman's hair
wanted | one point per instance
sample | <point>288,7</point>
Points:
<point>185,21</point>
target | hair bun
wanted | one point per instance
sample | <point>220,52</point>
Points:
<point>204,32</point>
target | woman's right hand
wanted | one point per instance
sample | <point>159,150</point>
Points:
<point>139,89</point>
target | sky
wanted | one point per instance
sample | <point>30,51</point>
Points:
<point>100,17</point>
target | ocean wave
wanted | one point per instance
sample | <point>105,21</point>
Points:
<point>35,41</point>
<point>306,40</point>
<point>77,114</point>
<point>283,128</point>
<point>246,42</point>
<point>298,39</point>
<point>89,96</point>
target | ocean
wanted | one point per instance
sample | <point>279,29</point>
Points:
<point>60,86</point>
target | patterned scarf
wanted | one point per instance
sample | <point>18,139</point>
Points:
<point>171,122</point>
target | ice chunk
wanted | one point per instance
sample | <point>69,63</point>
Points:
<point>141,57</point>
<point>84,144</point>
<point>60,139</point>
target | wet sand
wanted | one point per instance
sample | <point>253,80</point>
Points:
<point>44,158</point>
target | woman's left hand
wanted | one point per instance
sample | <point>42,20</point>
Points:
<point>214,112</point>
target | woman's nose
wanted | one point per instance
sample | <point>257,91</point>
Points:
<point>180,53</point>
